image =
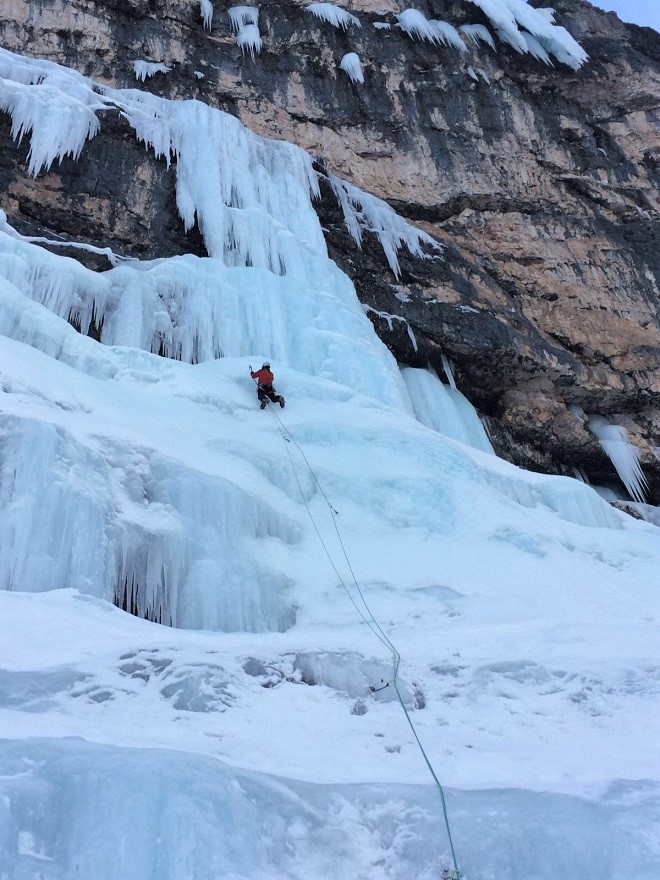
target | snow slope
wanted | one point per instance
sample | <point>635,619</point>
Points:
<point>244,741</point>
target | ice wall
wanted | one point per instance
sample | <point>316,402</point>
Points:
<point>171,816</point>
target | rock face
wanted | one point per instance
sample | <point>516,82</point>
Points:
<point>541,183</point>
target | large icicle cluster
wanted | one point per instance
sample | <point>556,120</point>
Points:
<point>252,203</point>
<point>53,104</point>
<point>364,212</point>
<point>515,21</point>
<point>526,29</point>
<point>245,23</point>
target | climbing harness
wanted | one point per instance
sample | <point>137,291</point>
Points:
<point>368,618</point>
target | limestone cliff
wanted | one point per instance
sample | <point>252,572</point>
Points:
<point>542,183</point>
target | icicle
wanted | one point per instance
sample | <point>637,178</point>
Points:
<point>623,455</point>
<point>448,35</point>
<point>144,69</point>
<point>509,16</point>
<point>364,211</point>
<point>415,24</point>
<point>334,15</point>
<point>477,33</point>
<point>206,11</point>
<point>239,16</point>
<point>536,49</point>
<point>350,64</point>
<point>445,410</point>
<point>449,373</point>
<point>249,40</point>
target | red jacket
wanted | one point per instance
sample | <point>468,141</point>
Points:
<point>264,377</point>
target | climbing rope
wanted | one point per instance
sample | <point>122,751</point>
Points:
<point>367,617</point>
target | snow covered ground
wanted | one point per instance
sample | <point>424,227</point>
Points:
<point>243,741</point>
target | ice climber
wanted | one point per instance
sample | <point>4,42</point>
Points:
<point>265,390</point>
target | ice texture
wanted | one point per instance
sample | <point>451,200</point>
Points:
<point>350,64</point>
<point>445,409</point>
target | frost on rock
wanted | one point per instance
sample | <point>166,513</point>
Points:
<point>206,11</point>
<point>513,18</point>
<point>334,15</point>
<point>363,211</point>
<point>382,25</point>
<point>144,69</point>
<point>623,455</point>
<point>350,64</point>
<point>477,33</point>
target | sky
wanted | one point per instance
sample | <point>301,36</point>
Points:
<point>645,12</point>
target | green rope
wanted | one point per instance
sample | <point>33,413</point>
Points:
<point>368,618</point>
